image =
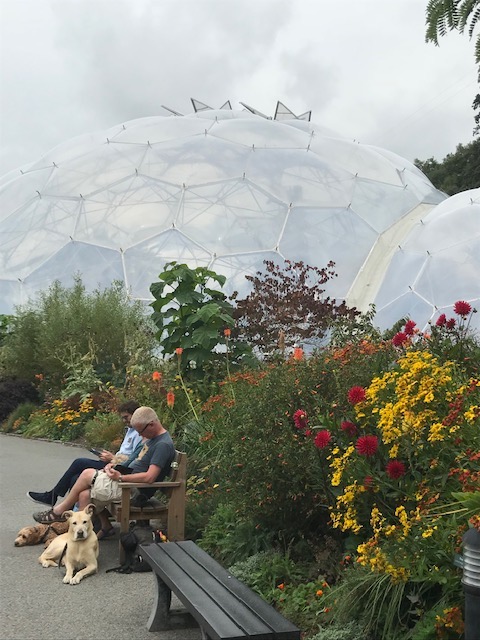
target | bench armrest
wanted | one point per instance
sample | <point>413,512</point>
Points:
<point>152,485</point>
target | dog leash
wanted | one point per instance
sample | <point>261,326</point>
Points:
<point>61,557</point>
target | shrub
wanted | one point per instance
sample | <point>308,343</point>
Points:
<point>19,417</point>
<point>230,538</point>
<point>348,631</point>
<point>61,420</point>
<point>69,335</point>
<point>266,571</point>
<point>104,430</point>
<point>13,392</point>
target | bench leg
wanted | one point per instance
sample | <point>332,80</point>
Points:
<point>164,619</point>
<point>159,618</point>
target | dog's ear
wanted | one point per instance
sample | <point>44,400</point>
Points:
<point>90,509</point>
<point>67,514</point>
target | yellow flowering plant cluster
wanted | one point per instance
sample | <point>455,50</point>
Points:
<point>411,441</point>
<point>61,419</point>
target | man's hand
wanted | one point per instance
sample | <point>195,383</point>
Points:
<point>112,473</point>
<point>106,456</point>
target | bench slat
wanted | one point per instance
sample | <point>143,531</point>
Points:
<point>199,603</point>
<point>272,619</point>
<point>249,611</point>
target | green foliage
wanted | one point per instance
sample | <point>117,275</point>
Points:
<point>371,598</point>
<point>230,538</point>
<point>287,307</point>
<point>13,392</point>
<point>65,333</point>
<point>265,571</point>
<point>18,418</point>
<point>5,326</point>
<point>457,172</point>
<point>303,604</point>
<point>191,316</point>
<point>60,420</point>
<point>348,631</point>
<point>104,430</point>
<point>447,15</point>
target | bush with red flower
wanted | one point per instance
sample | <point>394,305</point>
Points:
<point>417,424</point>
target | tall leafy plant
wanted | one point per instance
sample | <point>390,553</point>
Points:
<point>193,317</point>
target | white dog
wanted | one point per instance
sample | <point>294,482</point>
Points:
<point>76,549</point>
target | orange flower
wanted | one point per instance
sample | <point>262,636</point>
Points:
<point>227,333</point>
<point>319,593</point>
<point>298,353</point>
<point>281,587</point>
<point>156,376</point>
<point>170,399</point>
<point>179,351</point>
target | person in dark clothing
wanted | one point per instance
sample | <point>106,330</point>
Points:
<point>103,487</point>
<point>66,482</point>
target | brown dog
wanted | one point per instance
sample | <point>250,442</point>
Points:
<point>40,533</point>
<point>77,549</point>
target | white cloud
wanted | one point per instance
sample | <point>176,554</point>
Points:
<point>363,68</point>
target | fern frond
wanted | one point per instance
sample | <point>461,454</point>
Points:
<point>441,16</point>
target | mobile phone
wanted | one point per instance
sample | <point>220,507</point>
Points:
<point>97,452</point>
<point>123,470</point>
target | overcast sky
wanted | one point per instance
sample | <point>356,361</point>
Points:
<point>362,66</point>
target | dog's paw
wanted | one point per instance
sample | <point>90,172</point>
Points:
<point>66,580</point>
<point>75,580</point>
<point>49,563</point>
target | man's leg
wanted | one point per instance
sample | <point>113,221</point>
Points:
<point>83,483</point>
<point>67,481</point>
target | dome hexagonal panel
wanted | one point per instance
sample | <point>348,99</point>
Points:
<point>222,188</point>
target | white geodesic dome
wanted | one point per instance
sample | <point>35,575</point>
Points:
<point>221,188</point>
<point>436,264</point>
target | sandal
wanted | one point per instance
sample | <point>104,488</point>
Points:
<point>47,517</point>
<point>105,533</point>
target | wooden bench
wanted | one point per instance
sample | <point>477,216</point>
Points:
<point>171,511</point>
<point>223,607</point>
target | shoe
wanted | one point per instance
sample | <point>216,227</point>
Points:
<point>105,533</point>
<point>140,500</point>
<point>47,497</point>
<point>47,517</point>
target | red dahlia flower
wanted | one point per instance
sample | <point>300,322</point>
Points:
<point>356,395</point>
<point>322,439</point>
<point>367,445</point>
<point>441,320</point>
<point>409,327</point>
<point>462,308</point>
<point>399,339</point>
<point>300,419</point>
<point>395,469</point>
<point>349,428</point>
<point>451,323</point>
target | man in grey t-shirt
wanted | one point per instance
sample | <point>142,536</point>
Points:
<point>102,487</point>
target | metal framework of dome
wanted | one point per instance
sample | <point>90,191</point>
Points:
<point>224,188</point>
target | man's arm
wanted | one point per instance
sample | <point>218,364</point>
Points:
<point>148,476</point>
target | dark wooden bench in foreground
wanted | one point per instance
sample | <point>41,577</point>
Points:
<point>223,607</point>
